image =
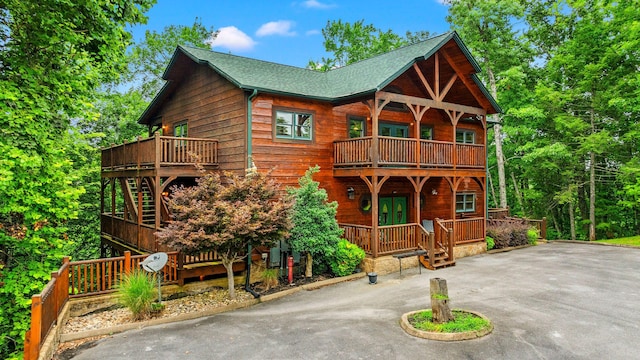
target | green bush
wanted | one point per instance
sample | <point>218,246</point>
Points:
<point>532,236</point>
<point>346,258</point>
<point>137,292</point>
<point>490,243</point>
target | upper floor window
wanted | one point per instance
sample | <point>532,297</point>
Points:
<point>356,127</point>
<point>465,202</point>
<point>180,130</point>
<point>426,132</point>
<point>395,130</point>
<point>293,125</point>
<point>465,137</point>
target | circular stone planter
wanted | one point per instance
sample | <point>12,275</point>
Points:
<point>440,336</point>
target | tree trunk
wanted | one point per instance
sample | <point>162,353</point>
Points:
<point>308,271</point>
<point>440,301</point>
<point>572,221</point>
<point>493,189</point>
<point>592,186</point>
<point>228,264</point>
<point>497,134</point>
<point>518,193</point>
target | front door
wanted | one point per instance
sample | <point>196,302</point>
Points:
<point>392,210</point>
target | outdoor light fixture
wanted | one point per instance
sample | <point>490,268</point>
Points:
<point>351,193</point>
<point>434,191</point>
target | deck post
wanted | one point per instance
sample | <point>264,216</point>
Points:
<point>375,238</point>
<point>543,228</point>
<point>127,262</point>
<point>36,326</point>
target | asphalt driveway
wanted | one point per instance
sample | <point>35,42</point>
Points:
<point>553,301</point>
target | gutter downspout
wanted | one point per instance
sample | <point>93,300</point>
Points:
<point>250,166</point>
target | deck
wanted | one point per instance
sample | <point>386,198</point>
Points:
<point>411,153</point>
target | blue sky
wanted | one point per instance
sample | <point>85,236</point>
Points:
<point>288,32</point>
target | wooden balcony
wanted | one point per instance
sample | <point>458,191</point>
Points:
<point>160,151</point>
<point>403,152</point>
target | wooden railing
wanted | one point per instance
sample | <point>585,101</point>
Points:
<point>498,213</point>
<point>436,153</point>
<point>160,151</point>
<point>396,238</point>
<point>141,237</point>
<point>403,152</point>
<point>352,152</point>
<point>442,241</point>
<point>470,155</point>
<point>466,230</point>
<point>45,308</point>
<point>397,151</point>
<point>359,235</point>
<point>539,225</point>
<point>100,276</point>
<point>78,279</point>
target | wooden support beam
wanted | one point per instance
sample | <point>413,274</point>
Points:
<point>448,87</point>
<point>470,84</point>
<point>407,99</point>
<point>436,75</point>
<point>424,81</point>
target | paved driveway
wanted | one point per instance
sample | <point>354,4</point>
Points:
<point>553,301</point>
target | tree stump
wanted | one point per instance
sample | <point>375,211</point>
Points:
<point>440,301</point>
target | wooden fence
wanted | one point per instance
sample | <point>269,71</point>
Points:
<point>78,279</point>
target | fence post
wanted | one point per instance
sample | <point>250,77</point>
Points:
<point>36,326</point>
<point>65,280</point>
<point>543,228</point>
<point>127,262</point>
<point>451,244</point>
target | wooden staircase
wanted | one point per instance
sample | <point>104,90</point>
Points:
<point>148,207</point>
<point>439,248</point>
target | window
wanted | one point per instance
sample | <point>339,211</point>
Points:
<point>356,127</point>
<point>465,137</point>
<point>465,202</point>
<point>426,132</point>
<point>394,130</point>
<point>293,125</point>
<point>180,130</point>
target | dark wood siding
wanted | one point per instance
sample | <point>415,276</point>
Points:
<point>213,108</point>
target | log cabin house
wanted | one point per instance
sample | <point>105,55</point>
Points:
<point>400,139</point>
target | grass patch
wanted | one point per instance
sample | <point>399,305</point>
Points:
<point>630,241</point>
<point>463,322</point>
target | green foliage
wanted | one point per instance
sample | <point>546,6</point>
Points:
<point>346,258</point>
<point>490,243</point>
<point>629,241</point>
<point>350,43</point>
<point>137,291</point>
<point>532,236</point>
<point>226,217</point>
<point>270,278</point>
<point>463,321</point>
<point>53,56</point>
<point>315,229</point>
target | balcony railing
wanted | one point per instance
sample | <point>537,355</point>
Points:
<point>403,152</point>
<point>160,151</point>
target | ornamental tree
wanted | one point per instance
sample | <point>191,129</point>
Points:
<point>315,228</point>
<point>226,216</point>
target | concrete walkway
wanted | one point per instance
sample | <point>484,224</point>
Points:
<point>553,301</point>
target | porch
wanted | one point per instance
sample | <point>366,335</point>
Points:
<point>439,241</point>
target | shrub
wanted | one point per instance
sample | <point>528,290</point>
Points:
<point>137,292</point>
<point>506,234</point>
<point>490,243</point>
<point>346,258</point>
<point>532,236</point>
<point>270,278</point>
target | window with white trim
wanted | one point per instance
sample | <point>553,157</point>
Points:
<point>465,202</point>
<point>465,136</point>
<point>293,125</point>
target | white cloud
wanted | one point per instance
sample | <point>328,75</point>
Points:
<point>315,4</point>
<point>312,32</point>
<point>280,27</point>
<point>232,38</point>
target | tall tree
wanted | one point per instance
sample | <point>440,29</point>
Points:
<point>53,55</point>
<point>226,218</point>
<point>487,27</point>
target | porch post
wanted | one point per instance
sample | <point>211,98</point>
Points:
<point>374,132</point>
<point>158,206</point>
<point>374,216</point>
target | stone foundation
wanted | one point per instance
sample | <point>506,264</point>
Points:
<point>388,264</point>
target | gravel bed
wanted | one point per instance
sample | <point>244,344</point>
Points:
<point>188,304</point>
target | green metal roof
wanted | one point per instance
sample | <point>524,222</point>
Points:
<point>363,77</point>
